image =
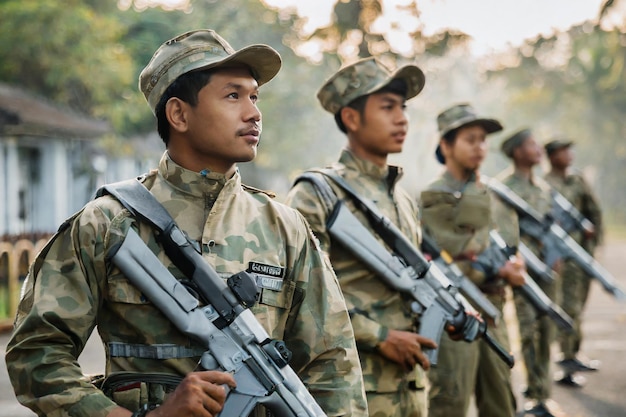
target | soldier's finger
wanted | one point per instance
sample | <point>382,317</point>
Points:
<point>218,377</point>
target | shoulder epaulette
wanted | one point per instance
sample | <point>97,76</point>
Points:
<point>254,190</point>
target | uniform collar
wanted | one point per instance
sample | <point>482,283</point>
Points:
<point>521,177</point>
<point>455,184</point>
<point>195,183</point>
<point>389,173</point>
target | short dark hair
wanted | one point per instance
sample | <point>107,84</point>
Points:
<point>396,86</point>
<point>186,87</point>
<point>450,136</point>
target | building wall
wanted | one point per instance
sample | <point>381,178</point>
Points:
<point>45,180</point>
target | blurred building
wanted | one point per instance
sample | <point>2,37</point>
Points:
<point>51,162</point>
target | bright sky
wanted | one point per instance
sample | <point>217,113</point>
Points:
<point>493,24</point>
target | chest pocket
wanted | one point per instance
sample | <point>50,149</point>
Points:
<point>453,219</point>
<point>473,210</point>
<point>280,299</point>
<point>120,290</point>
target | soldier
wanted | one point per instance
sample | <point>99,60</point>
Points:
<point>575,283</point>
<point>458,213</point>
<point>368,103</point>
<point>537,333</point>
<point>204,95</point>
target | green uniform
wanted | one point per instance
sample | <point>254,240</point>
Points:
<point>537,333</point>
<point>373,306</point>
<point>72,287</point>
<point>458,216</point>
<point>574,282</point>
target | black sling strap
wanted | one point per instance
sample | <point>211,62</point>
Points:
<point>366,206</point>
<point>140,202</point>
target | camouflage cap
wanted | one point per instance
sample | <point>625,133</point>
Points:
<point>202,49</point>
<point>514,141</point>
<point>461,115</point>
<point>556,144</point>
<point>364,77</point>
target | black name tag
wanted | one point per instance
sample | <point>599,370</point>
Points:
<point>267,276</point>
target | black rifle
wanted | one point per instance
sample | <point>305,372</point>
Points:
<point>536,265</point>
<point>494,258</point>
<point>223,323</point>
<point>444,261</point>
<point>568,216</point>
<point>556,242</point>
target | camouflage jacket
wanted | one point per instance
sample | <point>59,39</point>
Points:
<point>459,215</point>
<point>576,190</point>
<point>374,307</point>
<point>72,287</point>
<point>536,192</point>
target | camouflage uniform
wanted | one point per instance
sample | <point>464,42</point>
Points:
<point>459,217</point>
<point>574,282</point>
<point>374,307</point>
<point>537,333</point>
<point>72,287</point>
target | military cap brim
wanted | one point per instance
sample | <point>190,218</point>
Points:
<point>342,88</point>
<point>515,141</point>
<point>202,50</point>
<point>556,144</point>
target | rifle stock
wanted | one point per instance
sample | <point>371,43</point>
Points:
<point>536,265</point>
<point>443,260</point>
<point>235,341</point>
<point>411,274</point>
<point>568,216</point>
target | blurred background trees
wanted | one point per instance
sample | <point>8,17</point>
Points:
<point>87,54</point>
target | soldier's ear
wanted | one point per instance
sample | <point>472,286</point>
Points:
<point>446,147</point>
<point>176,113</point>
<point>351,118</point>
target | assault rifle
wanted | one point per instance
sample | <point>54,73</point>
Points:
<point>535,265</point>
<point>235,341</point>
<point>407,271</point>
<point>444,261</point>
<point>494,258</point>
<point>556,242</point>
<point>220,318</point>
<point>568,216</point>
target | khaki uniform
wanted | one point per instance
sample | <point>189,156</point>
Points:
<point>72,287</point>
<point>537,333</point>
<point>575,283</point>
<point>373,306</point>
<point>459,217</point>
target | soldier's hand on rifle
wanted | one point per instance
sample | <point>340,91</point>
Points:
<point>457,334</point>
<point>513,271</point>
<point>199,394</point>
<point>405,348</point>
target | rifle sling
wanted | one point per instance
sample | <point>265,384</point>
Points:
<point>330,199</point>
<point>142,204</point>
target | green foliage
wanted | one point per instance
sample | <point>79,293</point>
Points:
<point>572,84</point>
<point>88,54</point>
<point>67,51</point>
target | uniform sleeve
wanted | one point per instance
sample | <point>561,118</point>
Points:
<point>304,198</point>
<point>55,319</point>
<point>591,210</point>
<point>321,337</point>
